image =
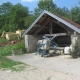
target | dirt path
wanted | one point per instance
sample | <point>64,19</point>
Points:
<point>32,73</point>
<point>59,63</point>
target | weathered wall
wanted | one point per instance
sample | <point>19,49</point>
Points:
<point>75,37</point>
<point>31,43</point>
<point>78,39</point>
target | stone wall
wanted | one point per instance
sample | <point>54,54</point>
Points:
<point>78,39</point>
<point>75,37</point>
<point>31,43</point>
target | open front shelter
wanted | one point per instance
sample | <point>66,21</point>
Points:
<point>49,24</point>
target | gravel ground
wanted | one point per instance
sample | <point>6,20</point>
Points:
<point>32,73</point>
<point>53,68</point>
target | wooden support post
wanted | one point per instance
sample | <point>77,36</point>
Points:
<point>51,28</point>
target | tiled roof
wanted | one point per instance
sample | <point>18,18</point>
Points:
<point>70,21</point>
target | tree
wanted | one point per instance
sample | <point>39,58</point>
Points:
<point>5,8</point>
<point>29,20</point>
<point>62,12</point>
<point>5,16</point>
<point>45,5</point>
<point>75,14</point>
<point>12,17</point>
<point>17,17</point>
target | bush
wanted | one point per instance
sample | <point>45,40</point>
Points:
<point>7,50</point>
<point>19,46</point>
<point>75,52</point>
<point>3,40</point>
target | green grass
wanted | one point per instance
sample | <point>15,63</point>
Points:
<point>20,45</point>
<point>6,63</point>
<point>3,40</point>
<point>7,50</point>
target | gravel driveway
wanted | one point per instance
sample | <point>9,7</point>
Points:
<point>58,63</point>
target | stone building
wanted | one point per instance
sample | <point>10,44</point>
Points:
<point>49,25</point>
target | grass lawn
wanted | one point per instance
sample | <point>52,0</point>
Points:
<point>3,40</point>
<point>6,63</point>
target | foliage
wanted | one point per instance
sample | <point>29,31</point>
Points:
<point>62,12</point>
<point>29,20</point>
<point>52,7</point>
<point>4,16</point>
<point>19,46</point>
<point>45,5</point>
<point>75,52</point>
<point>6,63</point>
<point>17,17</point>
<point>3,40</point>
<point>7,50</point>
<point>75,14</point>
<point>12,17</point>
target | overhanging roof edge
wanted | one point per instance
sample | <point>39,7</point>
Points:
<point>63,21</point>
<point>33,23</point>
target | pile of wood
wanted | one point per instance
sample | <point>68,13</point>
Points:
<point>8,43</point>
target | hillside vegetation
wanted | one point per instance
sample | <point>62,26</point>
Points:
<point>14,17</point>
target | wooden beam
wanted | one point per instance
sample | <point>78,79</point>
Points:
<point>62,25</point>
<point>51,28</point>
<point>43,19</point>
<point>37,25</point>
<point>40,28</point>
<point>58,34</point>
<point>45,27</point>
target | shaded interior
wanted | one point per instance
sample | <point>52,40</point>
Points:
<point>49,25</point>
